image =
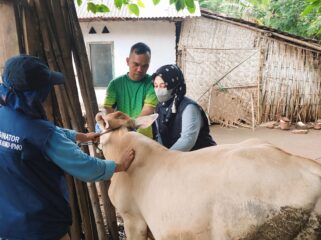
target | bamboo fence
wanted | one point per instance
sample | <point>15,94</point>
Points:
<point>243,75</point>
<point>50,30</point>
<point>291,83</point>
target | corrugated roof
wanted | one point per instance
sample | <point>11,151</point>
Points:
<point>310,43</point>
<point>150,11</point>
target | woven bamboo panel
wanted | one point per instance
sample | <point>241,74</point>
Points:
<point>204,68</point>
<point>291,83</point>
<point>233,107</point>
<point>227,56</point>
<point>232,71</point>
<point>221,69</point>
<point>211,34</point>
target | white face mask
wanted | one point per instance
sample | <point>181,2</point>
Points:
<point>163,94</point>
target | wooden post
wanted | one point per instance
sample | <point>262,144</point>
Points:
<point>9,44</point>
<point>259,84</point>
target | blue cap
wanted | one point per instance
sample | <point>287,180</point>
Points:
<point>25,73</point>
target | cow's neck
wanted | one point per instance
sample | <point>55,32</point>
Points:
<point>148,155</point>
<point>147,151</point>
<point>145,148</point>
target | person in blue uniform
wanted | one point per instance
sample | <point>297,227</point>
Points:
<point>34,154</point>
<point>182,124</point>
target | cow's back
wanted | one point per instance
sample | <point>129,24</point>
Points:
<point>222,192</point>
<point>256,184</point>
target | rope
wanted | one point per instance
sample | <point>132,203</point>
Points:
<point>96,144</point>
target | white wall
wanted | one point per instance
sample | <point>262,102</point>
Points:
<point>158,35</point>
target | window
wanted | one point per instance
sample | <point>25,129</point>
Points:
<point>101,60</point>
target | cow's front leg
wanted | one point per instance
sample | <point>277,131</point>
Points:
<point>135,227</point>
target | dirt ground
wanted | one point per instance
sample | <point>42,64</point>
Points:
<point>307,145</point>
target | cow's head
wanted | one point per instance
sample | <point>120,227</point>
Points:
<point>114,126</point>
<point>115,120</point>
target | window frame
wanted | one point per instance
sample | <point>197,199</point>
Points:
<point>111,43</point>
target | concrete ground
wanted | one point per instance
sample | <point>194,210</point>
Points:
<point>307,145</point>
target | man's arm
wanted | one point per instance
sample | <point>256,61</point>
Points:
<point>150,101</point>
<point>147,110</point>
<point>108,110</point>
<point>110,98</point>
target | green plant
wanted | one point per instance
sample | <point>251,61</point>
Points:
<point>134,5</point>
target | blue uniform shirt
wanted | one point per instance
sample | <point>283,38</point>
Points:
<point>69,157</point>
<point>33,192</point>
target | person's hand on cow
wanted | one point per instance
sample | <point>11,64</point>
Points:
<point>88,137</point>
<point>125,160</point>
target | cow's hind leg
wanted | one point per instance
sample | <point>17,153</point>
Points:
<point>286,225</point>
<point>135,227</point>
<point>312,230</point>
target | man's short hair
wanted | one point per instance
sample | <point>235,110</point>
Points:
<point>140,48</point>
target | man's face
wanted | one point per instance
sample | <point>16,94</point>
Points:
<point>138,65</point>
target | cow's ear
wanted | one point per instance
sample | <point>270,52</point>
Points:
<point>100,119</point>
<point>145,121</point>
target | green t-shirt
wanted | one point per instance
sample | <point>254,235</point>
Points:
<point>130,96</point>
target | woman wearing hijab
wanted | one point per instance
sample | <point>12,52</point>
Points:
<point>182,124</point>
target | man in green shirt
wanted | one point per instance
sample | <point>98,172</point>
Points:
<point>133,93</point>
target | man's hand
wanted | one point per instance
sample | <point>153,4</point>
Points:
<point>147,110</point>
<point>108,110</point>
<point>125,160</point>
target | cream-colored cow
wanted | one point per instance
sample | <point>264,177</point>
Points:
<point>249,191</point>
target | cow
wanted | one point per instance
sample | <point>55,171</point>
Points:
<point>247,191</point>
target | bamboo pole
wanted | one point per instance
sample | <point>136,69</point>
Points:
<point>109,210</point>
<point>252,111</point>
<point>259,83</point>
<point>88,94</point>
<point>31,31</point>
<point>90,102</point>
<point>8,32</point>
<point>75,228</point>
<point>102,235</point>
<point>62,62</point>
<point>83,69</point>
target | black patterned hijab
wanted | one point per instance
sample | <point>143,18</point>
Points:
<point>173,79</point>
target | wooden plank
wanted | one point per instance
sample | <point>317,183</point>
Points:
<point>9,44</point>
